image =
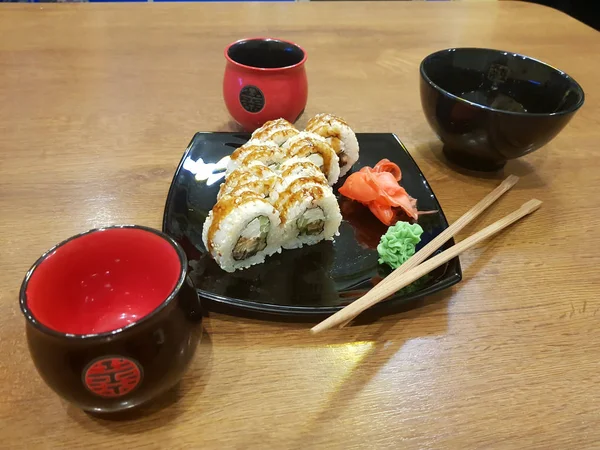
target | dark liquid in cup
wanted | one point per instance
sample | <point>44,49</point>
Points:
<point>265,53</point>
<point>494,99</point>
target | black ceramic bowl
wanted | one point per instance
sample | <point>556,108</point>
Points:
<point>489,106</point>
<point>112,319</point>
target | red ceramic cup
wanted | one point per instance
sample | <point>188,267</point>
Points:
<point>265,79</point>
<point>112,319</point>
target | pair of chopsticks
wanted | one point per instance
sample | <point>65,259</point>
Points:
<point>412,269</point>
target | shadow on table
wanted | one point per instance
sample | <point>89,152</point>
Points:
<point>366,327</point>
<point>432,152</point>
<point>160,411</point>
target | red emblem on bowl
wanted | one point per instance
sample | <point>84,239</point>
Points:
<point>264,80</point>
<point>112,376</point>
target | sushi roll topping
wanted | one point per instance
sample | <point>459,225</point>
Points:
<point>255,168</point>
<point>268,153</point>
<point>270,157</point>
<point>247,174</point>
<point>334,129</point>
<point>289,187</point>
<point>300,167</point>
<point>277,131</point>
<point>318,151</point>
<point>289,199</point>
<point>261,187</point>
<point>327,118</point>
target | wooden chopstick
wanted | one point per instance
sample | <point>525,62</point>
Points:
<point>382,291</point>
<point>452,230</point>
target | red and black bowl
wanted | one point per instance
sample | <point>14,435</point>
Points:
<point>112,318</point>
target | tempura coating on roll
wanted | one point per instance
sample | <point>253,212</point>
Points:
<point>241,231</point>
<point>339,135</point>
<point>296,171</point>
<point>268,153</point>
<point>300,166</point>
<point>277,131</point>
<point>255,177</point>
<point>317,150</point>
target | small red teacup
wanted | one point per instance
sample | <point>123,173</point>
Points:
<point>112,319</point>
<point>265,79</point>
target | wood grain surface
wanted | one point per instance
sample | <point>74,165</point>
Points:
<point>97,103</point>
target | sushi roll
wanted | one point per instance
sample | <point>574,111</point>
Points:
<point>255,177</point>
<point>277,131</point>
<point>241,231</point>
<point>309,215</point>
<point>269,153</point>
<point>339,135</point>
<point>317,150</point>
<point>277,191</point>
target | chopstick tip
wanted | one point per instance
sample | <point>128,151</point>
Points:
<point>511,180</point>
<point>532,205</point>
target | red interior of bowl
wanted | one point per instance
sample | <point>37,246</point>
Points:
<point>103,281</point>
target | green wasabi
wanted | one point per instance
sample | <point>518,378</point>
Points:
<point>398,243</point>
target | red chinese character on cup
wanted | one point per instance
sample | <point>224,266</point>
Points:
<point>112,376</point>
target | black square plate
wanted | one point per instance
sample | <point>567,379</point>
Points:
<point>311,281</point>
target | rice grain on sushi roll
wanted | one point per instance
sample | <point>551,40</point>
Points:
<point>293,184</point>
<point>269,153</point>
<point>309,215</point>
<point>317,150</point>
<point>241,231</point>
<point>249,174</point>
<point>294,173</point>
<point>261,187</point>
<point>277,131</point>
<point>294,167</point>
<point>339,135</point>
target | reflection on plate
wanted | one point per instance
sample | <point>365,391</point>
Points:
<point>311,281</point>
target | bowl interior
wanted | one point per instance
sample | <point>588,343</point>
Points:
<point>265,53</point>
<point>503,81</point>
<point>102,281</point>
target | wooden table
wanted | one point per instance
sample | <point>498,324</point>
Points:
<point>97,103</point>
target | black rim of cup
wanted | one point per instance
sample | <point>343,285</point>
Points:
<point>489,108</point>
<point>235,44</point>
<point>39,325</point>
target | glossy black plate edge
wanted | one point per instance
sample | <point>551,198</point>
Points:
<point>172,185</point>
<point>228,305</point>
<point>454,261</point>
